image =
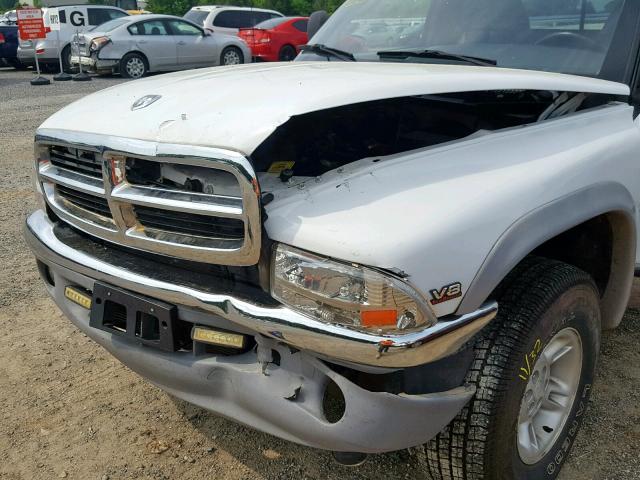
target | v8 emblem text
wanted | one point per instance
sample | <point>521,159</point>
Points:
<point>446,293</point>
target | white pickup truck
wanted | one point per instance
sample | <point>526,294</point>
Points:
<point>414,234</point>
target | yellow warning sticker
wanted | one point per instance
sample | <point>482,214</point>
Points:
<point>279,167</point>
<point>214,337</point>
<point>76,296</point>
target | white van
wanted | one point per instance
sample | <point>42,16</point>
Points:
<point>73,18</point>
<point>228,19</point>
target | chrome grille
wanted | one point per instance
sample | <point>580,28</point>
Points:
<point>79,161</point>
<point>87,185</point>
<point>83,200</point>
<point>189,223</point>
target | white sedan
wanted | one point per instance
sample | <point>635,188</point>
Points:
<point>136,45</point>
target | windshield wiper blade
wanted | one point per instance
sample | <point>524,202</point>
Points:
<point>328,52</point>
<point>484,62</point>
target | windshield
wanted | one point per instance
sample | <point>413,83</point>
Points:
<point>566,36</point>
<point>197,16</point>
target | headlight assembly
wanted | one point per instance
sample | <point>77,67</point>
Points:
<point>97,43</point>
<point>346,294</point>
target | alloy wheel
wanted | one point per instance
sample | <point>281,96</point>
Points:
<point>135,67</point>
<point>549,395</point>
<point>231,57</point>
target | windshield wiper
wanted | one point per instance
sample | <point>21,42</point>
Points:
<point>323,50</point>
<point>484,62</point>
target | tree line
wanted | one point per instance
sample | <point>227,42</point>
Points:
<point>287,7</point>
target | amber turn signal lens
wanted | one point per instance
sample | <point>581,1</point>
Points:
<point>378,318</point>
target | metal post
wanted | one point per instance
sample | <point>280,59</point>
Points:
<point>62,76</point>
<point>80,76</point>
<point>39,80</point>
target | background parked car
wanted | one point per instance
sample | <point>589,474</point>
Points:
<point>277,39</point>
<point>9,45</point>
<point>73,18</point>
<point>221,19</point>
<point>139,44</point>
<point>9,18</point>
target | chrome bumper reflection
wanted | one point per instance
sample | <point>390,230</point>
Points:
<point>332,341</point>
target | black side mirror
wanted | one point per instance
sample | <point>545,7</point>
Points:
<point>316,20</point>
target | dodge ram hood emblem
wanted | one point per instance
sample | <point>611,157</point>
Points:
<point>145,101</point>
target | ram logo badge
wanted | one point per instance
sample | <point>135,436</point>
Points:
<point>145,101</point>
<point>446,293</point>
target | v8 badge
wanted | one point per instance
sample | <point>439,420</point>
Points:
<point>446,293</point>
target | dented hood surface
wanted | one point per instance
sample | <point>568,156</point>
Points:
<point>238,107</point>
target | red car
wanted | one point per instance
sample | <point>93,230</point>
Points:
<point>276,40</point>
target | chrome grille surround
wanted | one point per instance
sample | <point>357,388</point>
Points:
<point>123,227</point>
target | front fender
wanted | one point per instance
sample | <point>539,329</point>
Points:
<point>553,218</point>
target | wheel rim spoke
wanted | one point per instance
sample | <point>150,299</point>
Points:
<point>558,387</point>
<point>560,351</point>
<point>555,402</point>
<point>527,437</point>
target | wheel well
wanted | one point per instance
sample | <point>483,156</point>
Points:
<point>587,246</point>
<point>604,247</point>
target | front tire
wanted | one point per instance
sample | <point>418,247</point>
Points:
<point>231,56</point>
<point>133,65</point>
<point>535,364</point>
<point>66,60</point>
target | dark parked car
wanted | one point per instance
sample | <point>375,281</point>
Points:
<point>9,45</point>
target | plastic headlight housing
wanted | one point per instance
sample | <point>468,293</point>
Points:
<point>346,294</point>
<point>97,43</point>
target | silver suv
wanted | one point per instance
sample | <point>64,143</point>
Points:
<point>73,18</point>
<point>229,19</point>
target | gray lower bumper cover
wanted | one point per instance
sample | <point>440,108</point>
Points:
<point>287,402</point>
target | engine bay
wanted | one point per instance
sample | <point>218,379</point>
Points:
<point>312,144</point>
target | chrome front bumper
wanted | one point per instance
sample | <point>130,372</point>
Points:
<point>281,323</point>
<point>286,399</point>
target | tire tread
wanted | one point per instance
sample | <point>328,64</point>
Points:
<point>523,297</point>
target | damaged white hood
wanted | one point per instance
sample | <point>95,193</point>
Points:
<point>237,108</point>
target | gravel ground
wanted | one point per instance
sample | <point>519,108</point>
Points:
<point>69,410</point>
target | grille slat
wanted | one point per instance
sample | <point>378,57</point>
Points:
<point>83,200</point>
<point>190,224</point>
<point>79,161</point>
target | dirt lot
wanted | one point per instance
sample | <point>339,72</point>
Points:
<point>69,410</point>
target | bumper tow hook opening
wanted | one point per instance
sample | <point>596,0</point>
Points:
<point>333,403</point>
<point>349,459</point>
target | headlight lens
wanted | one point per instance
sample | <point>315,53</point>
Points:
<point>352,295</point>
